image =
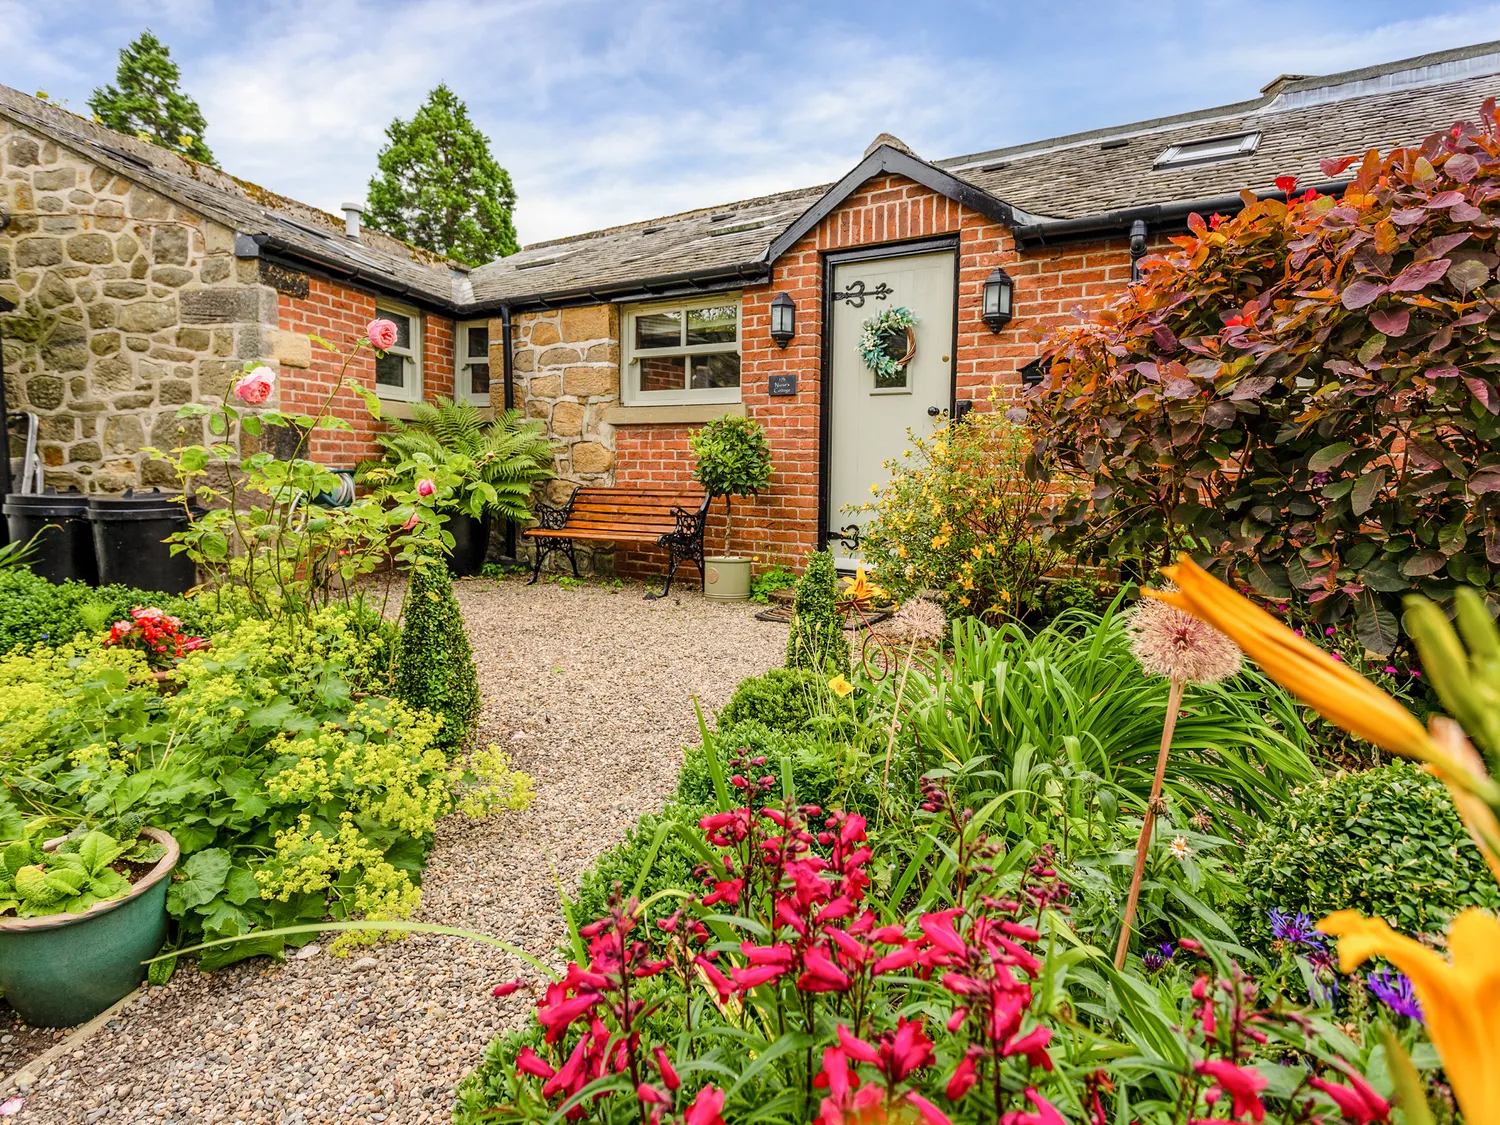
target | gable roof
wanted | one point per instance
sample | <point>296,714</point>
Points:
<point>1083,185</point>
<point>273,222</point>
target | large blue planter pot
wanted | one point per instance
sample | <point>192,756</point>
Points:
<point>63,969</point>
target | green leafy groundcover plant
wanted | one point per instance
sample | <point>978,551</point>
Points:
<point>35,611</point>
<point>293,797</point>
<point>1306,391</point>
<point>1386,842</point>
<point>90,866</point>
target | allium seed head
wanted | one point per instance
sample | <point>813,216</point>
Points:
<point>919,620</point>
<point>1167,642</point>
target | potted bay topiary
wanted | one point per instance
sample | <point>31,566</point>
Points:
<point>733,459</point>
<point>78,916</point>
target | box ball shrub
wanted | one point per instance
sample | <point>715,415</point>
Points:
<point>784,699</point>
<point>1386,842</point>
<point>434,664</point>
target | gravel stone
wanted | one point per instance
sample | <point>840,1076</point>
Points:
<point>588,689</point>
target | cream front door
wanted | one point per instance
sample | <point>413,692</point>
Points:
<point>870,416</point>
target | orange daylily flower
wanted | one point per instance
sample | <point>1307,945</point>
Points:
<point>1459,999</point>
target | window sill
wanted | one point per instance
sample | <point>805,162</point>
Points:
<point>671,415</point>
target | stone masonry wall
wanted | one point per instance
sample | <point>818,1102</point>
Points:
<point>567,374</point>
<point>128,306</point>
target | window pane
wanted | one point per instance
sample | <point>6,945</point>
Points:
<point>479,343</point>
<point>479,380</point>
<point>402,323</point>
<point>714,325</point>
<point>714,371</point>
<point>390,370</point>
<point>666,373</point>
<point>658,330</point>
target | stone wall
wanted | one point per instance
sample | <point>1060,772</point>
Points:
<point>567,374</point>
<point>128,306</point>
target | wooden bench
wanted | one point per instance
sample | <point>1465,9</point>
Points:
<point>673,518</point>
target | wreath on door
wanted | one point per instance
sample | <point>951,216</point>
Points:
<point>887,344</point>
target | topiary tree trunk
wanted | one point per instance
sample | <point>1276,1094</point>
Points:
<point>817,639</point>
<point>434,665</point>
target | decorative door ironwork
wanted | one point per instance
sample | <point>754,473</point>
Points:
<point>857,292</point>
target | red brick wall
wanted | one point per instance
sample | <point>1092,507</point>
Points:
<point>340,314</point>
<point>1050,284</point>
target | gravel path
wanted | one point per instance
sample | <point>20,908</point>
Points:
<point>591,690</point>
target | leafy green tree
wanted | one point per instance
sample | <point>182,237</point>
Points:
<point>439,187</point>
<point>148,103</point>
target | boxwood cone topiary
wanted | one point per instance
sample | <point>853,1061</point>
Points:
<point>434,665</point>
<point>1386,842</point>
<point>817,639</point>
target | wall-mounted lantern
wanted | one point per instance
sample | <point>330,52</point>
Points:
<point>783,319</point>
<point>999,292</point>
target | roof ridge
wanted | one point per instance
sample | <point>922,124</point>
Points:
<point>757,200</point>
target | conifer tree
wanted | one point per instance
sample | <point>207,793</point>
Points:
<point>440,188</point>
<point>148,103</point>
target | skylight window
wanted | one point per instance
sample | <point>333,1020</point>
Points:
<point>1209,151</point>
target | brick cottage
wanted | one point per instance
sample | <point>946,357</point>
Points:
<point>144,280</point>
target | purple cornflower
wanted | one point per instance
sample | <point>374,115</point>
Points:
<point>1396,993</point>
<point>1295,929</point>
<point>1155,960</point>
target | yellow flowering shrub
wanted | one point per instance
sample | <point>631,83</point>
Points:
<point>959,516</point>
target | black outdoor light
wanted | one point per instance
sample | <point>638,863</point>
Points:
<point>999,289</point>
<point>783,319</point>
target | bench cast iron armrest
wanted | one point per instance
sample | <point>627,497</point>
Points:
<point>550,517</point>
<point>685,543</point>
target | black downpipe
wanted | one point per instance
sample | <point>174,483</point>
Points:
<point>508,369</point>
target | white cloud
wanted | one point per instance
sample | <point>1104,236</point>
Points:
<point>606,113</point>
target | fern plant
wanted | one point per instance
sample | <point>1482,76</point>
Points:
<point>499,461</point>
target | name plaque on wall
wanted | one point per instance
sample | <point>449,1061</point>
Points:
<point>783,384</point>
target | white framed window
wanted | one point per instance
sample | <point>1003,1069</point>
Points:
<point>471,361</point>
<point>683,352</point>
<point>398,373</point>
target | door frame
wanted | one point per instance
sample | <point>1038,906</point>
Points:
<point>831,259</point>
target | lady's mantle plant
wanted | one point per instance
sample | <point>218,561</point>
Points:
<point>1308,390</point>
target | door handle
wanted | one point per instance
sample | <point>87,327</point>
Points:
<point>934,411</point>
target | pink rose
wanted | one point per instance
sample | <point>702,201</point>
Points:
<point>256,387</point>
<point>382,334</point>
<point>425,488</point>
<point>411,522</point>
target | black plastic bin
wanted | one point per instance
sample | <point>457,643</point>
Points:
<point>129,530</point>
<point>471,543</point>
<point>65,549</point>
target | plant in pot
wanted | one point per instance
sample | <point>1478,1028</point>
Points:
<point>733,459</point>
<point>494,465</point>
<point>79,914</point>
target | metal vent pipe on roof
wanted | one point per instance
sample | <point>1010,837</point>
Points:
<point>353,213</point>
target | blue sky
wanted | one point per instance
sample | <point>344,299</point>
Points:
<point>609,112</point>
